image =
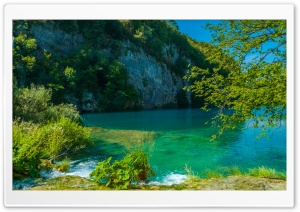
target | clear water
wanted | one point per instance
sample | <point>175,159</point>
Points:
<point>185,140</point>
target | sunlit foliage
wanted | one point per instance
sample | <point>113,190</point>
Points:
<point>249,82</point>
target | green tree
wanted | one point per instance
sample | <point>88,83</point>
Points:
<point>174,24</point>
<point>23,59</point>
<point>254,87</point>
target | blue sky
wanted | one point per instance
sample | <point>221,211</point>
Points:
<point>194,29</point>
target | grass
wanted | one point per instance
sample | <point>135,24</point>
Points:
<point>233,171</point>
<point>212,174</point>
<point>63,165</point>
<point>261,172</point>
<point>190,172</point>
<point>266,173</point>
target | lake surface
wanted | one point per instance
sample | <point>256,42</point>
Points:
<point>183,140</point>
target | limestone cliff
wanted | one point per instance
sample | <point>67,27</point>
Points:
<point>154,54</point>
<point>157,85</point>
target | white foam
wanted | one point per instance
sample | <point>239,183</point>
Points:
<point>50,174</point>
<point>174,179</point>
<point>170,179</point>
<point>82,169</point>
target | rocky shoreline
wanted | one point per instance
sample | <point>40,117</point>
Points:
<point>227,183</point>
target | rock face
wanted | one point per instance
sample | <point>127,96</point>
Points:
<point>89,103</point>
<point>157,85</point>
<point>53,39</point>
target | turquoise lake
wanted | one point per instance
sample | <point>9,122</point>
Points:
<point>184,140</point>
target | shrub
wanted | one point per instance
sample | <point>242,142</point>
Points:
<point>120,174</point>
<point>34,104</point>
<point>64,137</point>
<point>26,149</point>
<point>29,103</point>
<point>33,142</point>
<point>56,112</point>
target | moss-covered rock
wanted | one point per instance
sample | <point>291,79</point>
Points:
<point>227,183</point>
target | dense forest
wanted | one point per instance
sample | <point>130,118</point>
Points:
<point>107,65</point>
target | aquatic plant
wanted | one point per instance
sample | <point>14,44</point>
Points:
<point>120,174</point>
<point>190,173</point>
<point>63,165</point>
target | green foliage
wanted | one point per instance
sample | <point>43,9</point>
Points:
<point>64,165</point>
<point>174,24</point>
<point>266,173</point>
<point>143,33</point>
<point>213,174</point>
<point>93,55</point>
<point>30,103</point>
<point>118,95</point>
<point>233,171</point>
<point>262,172</point>
<point>43,131</point>
<point>33,142</point>
<point>180,67</point>
<point>252,89</point>
<point>34,104</point>
<point>120,174</point>
<point>64,137</point>
<point>23,59</point>
<point>190,173</point>
<point>27,148</point>
<point>71,76</point>
<point>56,112</point>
